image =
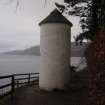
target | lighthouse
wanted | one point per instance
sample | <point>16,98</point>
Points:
<point>55,37</point>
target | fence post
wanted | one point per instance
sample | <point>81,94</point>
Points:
<point>29,77</point>
<point>17,84</point>
<point>13,88</point>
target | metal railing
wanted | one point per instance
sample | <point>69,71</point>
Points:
<point>18,80</point>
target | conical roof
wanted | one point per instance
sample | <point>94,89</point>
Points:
<point>55,17</point>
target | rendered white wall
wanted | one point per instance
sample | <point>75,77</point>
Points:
<point>55,56</point>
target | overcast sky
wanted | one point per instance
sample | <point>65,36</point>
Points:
<point>19,28</point>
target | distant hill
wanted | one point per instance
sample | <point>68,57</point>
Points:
<point>76,51</point>
<point>35,50</point>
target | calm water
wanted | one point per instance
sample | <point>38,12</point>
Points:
<point>10,64</point>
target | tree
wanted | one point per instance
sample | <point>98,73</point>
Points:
<point>91,13</point>
<point>81,8</point>
<point>95,53</point>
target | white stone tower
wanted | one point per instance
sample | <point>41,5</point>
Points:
<point>55,38</point>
